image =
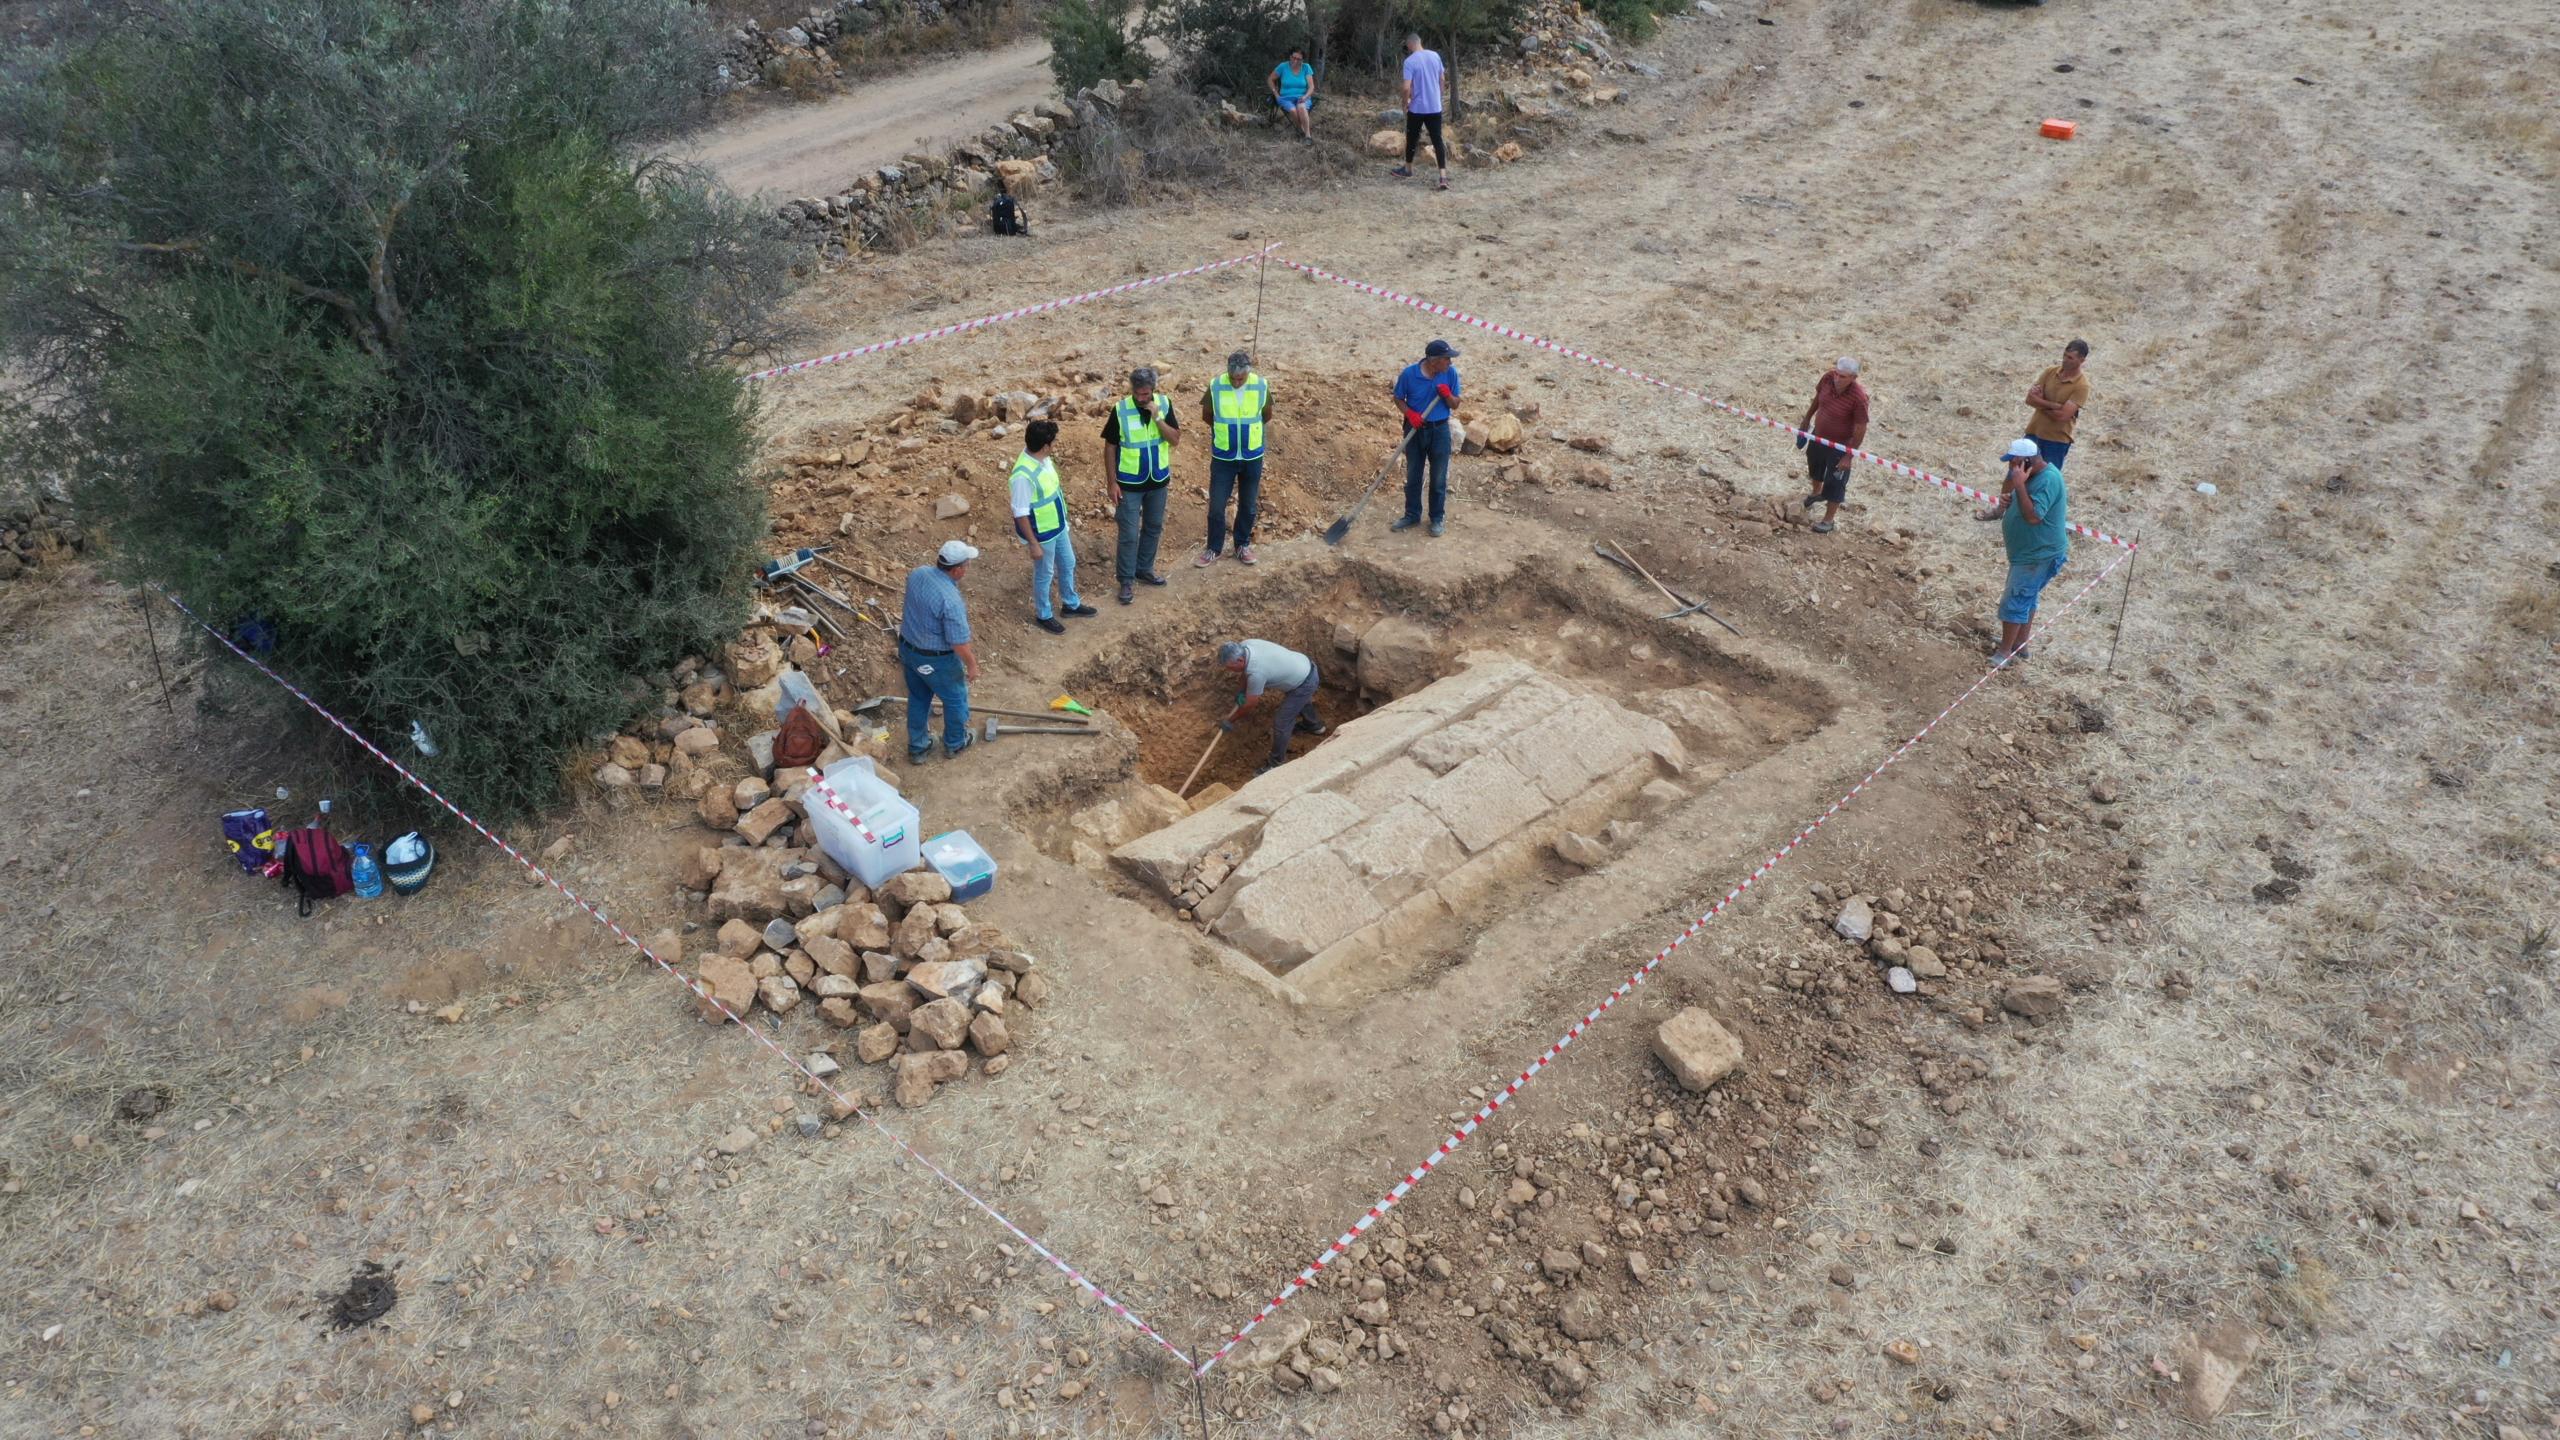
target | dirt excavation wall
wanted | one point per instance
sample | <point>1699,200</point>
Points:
<point>1412,816</point>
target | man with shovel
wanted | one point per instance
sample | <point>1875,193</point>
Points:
<point>1266,666</point>
<point>1426,393</point>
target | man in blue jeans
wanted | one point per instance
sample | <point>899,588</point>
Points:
<point>1139,438</point>
<point>1040,519</point>
<point>935,653</point>
<point>1237,409</point>
<point>2037,534</point>
<point>1427,394</point>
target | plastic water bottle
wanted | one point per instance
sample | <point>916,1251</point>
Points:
<point>368,874</point>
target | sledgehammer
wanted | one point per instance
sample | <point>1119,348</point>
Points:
<point>993,729</point>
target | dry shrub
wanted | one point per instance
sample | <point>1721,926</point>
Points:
<point>800,77</point>
<point>1175,146</point>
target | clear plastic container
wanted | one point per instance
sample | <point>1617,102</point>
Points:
<point>893,846</point>
<point>365,871</point>
<point>958,858</point>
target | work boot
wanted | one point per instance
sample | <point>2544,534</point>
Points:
<point>1081,611</point>
<point>1310,725</point>
<point>1050,623</point>
<point>1439,528</point>
<point>1128,592</point>
<point>1406,522</point>
<point>1149,577</point>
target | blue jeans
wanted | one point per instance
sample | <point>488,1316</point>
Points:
<point>1141,520</point>
<point>2026,583</point>
<point>1293,704</point>
<point>931,678</point>
<point>1430,442</point>
<point>1244,478</point>
<point>1054,556</point>
<point>2053,451</point>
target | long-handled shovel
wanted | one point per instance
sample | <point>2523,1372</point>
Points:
<point>1334,532</point>
<point>1214,737</point>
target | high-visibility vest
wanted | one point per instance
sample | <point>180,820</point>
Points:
<point>1142,460</point>
<point>1238,408</point>
<point>1048,500</point>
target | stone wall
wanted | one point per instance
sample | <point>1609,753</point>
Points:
<point>751,55</point>
<point>1022,152</point>
<point>1411,820</point>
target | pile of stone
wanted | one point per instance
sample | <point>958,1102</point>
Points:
<point>1204,877</point>
<point>37,531</point>
<point>924,988</point>
<point>1020,152</point>
<point>677,746</point>
<point>1921,938</point>
<point>752,55</point>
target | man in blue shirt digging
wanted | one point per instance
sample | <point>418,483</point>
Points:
<point>1427,393</point>
<point>2037,534</point>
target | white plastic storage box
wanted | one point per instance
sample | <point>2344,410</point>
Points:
<point>962,861</point>
<point>892,847</point>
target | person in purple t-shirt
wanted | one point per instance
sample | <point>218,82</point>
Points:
<point>1423,74</point>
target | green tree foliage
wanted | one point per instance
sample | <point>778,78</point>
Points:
<point>1634,21</point>
<point>1089,42</point>
<point>379,322</point>
<point>1228,46</point>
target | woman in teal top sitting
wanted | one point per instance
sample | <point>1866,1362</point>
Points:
<point>1293,89</point>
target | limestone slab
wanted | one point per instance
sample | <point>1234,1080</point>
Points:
<point>1484,800</point>
<point>1298,909</point>
<point>1401,851</point>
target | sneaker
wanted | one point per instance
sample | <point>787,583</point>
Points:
<point>919,757</point>
<point>1821,527</point>
<point>1441,184</point>
<point>1149,577</point>
<point>1081,611</point>
<point>1051,624</point>
<point>1128,592</point>
<point>952,752</point>
<point>1245,554</point>
<point>1310,725</point>
<point>1813,499</point>
<point>1207,559</point>
<point>1402,172</point>
<point>1406,522</point>
<point>1266,767</point>
<point>1439,528</point>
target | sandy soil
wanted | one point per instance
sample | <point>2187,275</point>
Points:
<point>2303,1087</point>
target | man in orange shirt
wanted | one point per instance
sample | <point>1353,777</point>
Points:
<point>2057,397</point>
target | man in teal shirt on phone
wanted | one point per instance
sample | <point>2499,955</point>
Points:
<point>2036,531</point>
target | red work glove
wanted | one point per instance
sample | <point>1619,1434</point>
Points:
<point>1444,393</point>
<point>1413,419</point>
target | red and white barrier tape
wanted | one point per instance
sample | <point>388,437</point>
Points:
<point>1395,1196</point>
<point>627,938</point>
<point>835,802</point>
<point>1061,303</point>
<point>1540,342</point>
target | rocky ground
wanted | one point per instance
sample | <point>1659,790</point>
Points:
<point>2233,1107</point>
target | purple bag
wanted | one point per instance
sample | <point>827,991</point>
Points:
<point>251,842</point>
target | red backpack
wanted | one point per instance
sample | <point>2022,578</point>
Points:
<point>315,865</point>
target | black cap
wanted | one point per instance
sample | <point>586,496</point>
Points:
<point>1439,350</point>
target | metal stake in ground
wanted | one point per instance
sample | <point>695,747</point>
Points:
<point>142,603</point>
<point>2124,604</point>
<point>1261,270</point>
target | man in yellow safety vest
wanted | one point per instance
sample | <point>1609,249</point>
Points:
<point>1236,407</point>
<point>1140,435</point>
<point>1040,518</point>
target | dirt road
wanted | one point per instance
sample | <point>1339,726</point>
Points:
<point>812,149</point>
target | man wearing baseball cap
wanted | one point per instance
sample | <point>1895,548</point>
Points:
<point>2037,534</point>
<point>935,653</point>
<point>1427,394</point>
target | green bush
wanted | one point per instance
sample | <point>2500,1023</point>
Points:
<point>1088,43</point>
<point>1230,45</point>
<point>1634,21</point>
<point>378,322</point>
<point>1372,36</point>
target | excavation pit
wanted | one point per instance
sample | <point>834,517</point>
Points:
<point>1483,736</point>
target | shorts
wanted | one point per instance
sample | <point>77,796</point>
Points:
<point>2026,583</point>
<point>1287,105</point>
<point>1827,468</point>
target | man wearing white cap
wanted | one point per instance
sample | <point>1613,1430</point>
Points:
<point>935,653</point>
<point>2037,534</point>
<point>1838,415</point>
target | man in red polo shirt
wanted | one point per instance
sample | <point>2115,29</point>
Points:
<point>1838,414</point>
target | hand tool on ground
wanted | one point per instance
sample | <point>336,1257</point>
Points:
<point>1334,532</point>
<point>993,729</point>
<point>1069,704</point>
<point>865,576</point>
<point>876,701</point>
<point>1184,792</point>
<point>1625,561</point>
